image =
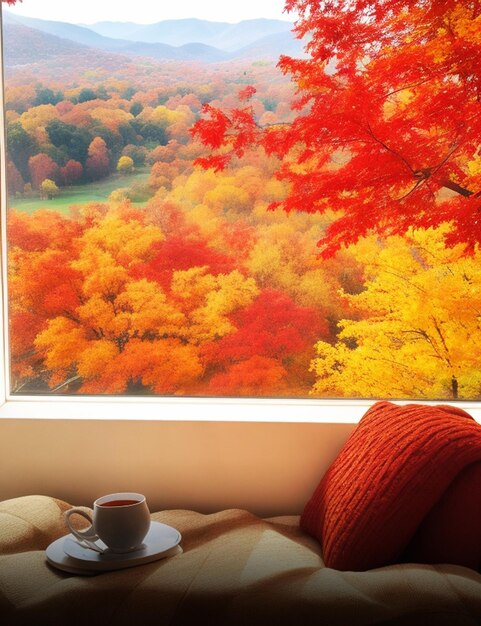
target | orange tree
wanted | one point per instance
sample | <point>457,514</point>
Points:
<point>387,130</point>
<point>116,299</point>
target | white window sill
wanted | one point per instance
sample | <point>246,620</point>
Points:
<point>200,409</point>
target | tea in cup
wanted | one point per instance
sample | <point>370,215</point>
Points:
<point>120,520</point>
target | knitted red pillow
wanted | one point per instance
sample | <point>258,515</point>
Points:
<point>451,532</point>
<point>396,465</point>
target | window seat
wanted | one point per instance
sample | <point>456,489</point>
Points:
<point>235,568</point>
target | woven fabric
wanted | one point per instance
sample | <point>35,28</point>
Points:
<point>235,569</point>
<point>397,464</point>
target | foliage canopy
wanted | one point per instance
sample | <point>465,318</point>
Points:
<point>388,123</point>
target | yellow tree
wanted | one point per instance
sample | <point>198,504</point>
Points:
<point>415,329</point>
<point>124,330</point>
<point>48,188</point>
<point>111,118</point>
<point>35,120</point>
<point>125,165</point>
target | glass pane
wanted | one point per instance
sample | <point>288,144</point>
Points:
<point>189,216</point>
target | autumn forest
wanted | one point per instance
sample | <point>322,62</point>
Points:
<point>304,226</point>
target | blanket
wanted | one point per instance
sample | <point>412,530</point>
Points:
<point>235,568</point>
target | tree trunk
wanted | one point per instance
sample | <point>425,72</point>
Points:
<point>454,387</point>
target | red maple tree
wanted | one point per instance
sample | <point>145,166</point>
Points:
<point>42,166</point>
<point>388,123</point>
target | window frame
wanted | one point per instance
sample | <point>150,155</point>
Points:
<point>277,410</point>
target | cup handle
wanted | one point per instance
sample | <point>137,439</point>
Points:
<point>84,535</point>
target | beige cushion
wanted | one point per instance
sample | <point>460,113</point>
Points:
<point>235,569</point>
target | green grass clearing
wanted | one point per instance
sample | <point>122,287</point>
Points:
<point>81,194</point>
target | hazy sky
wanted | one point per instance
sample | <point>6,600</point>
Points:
<point>149,11</point>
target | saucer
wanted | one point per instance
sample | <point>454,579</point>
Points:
<point>67,554</point>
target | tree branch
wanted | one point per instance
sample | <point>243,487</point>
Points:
<point>449,184</point>
<point>389,149</point>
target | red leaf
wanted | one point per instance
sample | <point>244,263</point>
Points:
<point>211,132</point>
<point>216,162</point>
<point>247,93</point>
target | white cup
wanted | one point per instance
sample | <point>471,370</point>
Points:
<point>120,520</point>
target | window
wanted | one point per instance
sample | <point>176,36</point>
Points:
<point>138,279</point>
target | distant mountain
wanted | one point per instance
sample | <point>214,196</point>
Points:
<point>189,52</point>
<point>171,32</point>
<point>272,46</point>
<point>20,42</point>
<point>24,46</point>
<point>249,32</point>
<point>118,30</point>
<point>229,37</point>
<point>268,46</point>
<point>59,29</point>
<point>69,35</point>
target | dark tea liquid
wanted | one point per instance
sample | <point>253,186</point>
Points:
<point>119,502</point>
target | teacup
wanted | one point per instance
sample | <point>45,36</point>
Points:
<point>120,520</point>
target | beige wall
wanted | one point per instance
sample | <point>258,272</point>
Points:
<point>267,468</point>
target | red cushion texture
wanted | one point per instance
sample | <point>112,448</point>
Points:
<point>451,532</point>
<point>397,465</point>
